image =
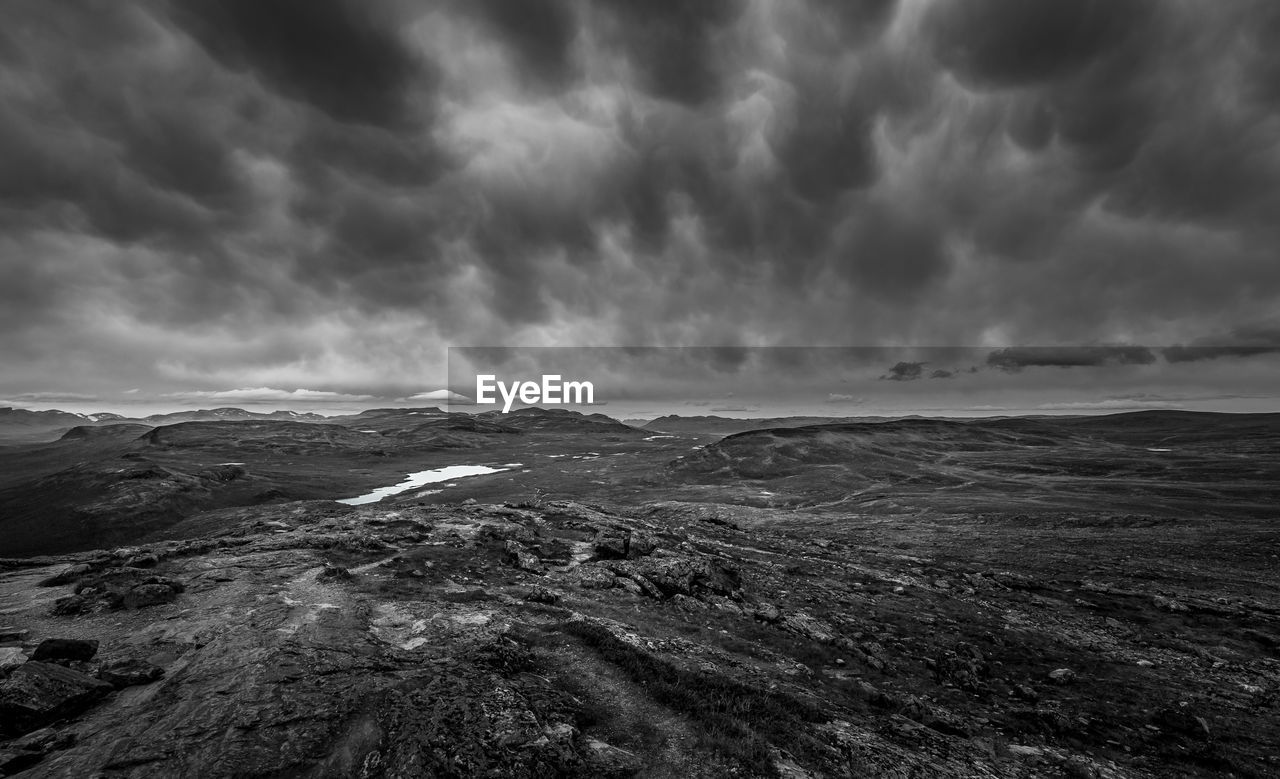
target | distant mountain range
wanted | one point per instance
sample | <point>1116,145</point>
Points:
<point>22,426</point>
<point>713,425</point>
<point>18,425</point>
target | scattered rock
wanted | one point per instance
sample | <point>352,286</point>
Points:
<point>67,575</point>
<point>37,693</point>
<point>129,672</point>
<point>607,760</point>
<point>809,627</point>
<point>1168,604</point>
<point>678,575</point>
<point>10,658</point>
<point>145,595</point>
<point>1021,750</point>
<point>333,573</point>
<point>121,588</point>
<point>9,633</point>
<point>519,556</point>
<point>610,545</point>
<point>630,585</point>
<point>142,561</point>
<point>58,649</point>
<point>962,666</point>
<point>542,595</point>
<point>640,544</point>
<point>591,577</point>
<point>46,740</point>
<point>13,760</point>
<point>767,612</point>
<point>69,605</point>
<point>1062,676</point>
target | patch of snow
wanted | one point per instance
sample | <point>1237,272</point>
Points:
<point>420,479</point>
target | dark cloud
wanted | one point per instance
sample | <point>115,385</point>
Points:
<point>541,32</point>
<point>1016,358</point>
<point>322,193</point>
<point>905,371</point>
<point>671,43</point>
<point>1002,43</point>
<point>336,55</point>
<point>1246,341</point>
<point>893,251</point>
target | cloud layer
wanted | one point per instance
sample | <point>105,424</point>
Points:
<point>326,193</point>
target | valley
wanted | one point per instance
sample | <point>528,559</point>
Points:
<point>1076,596</point>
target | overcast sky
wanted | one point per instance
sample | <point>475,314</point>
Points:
<point>304,202</point>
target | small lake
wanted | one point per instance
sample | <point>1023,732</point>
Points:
<point>421,478</point>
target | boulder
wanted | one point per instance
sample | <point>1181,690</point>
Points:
<point>56,649</point>
<point>1062,676</point>
<point>610,545</point>
<point>1168,604</point>
<point>962,666</point>
<point>66,576</point>
<point>607,760</point>
<point>132,588</point>
<point>767,612</point>
<point>10,658</point>
<point>333,573</point>
<point>675,575</point>
<point>518,555</point>
<point>145,595</point>
<point>13,760</point>
<point>542,595</point>
<point>38,693</point>
<point>640,544</point>
<point>809,627</point>
<point>591,577</point>
<point>46,740</point>
<point>69,605</point>
<point>129,672</point>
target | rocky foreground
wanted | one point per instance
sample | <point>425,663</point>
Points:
<point>662,640</point>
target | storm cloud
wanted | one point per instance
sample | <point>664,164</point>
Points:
<point>1017,358</point>
<point>322,195</point>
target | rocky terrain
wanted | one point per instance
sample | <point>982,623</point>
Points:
<point>118,483</point>
<point>681,624</point>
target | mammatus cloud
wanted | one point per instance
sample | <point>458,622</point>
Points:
<point>326,193</point>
